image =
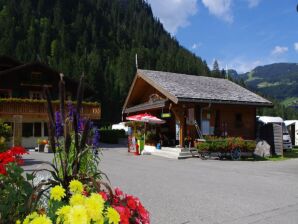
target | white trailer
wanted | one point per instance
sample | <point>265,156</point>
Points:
<point>292,126</point>
<point>287,143</point>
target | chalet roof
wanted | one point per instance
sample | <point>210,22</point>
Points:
<point>191,88</point>
<point>19,69</point>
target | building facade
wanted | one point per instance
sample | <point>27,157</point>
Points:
<point>22,104</point>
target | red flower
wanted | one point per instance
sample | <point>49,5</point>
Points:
<point>104,195</point>
<point>118,192</point>
<point>124,214</point>
<point>11,155</point>
<point>131,203</point>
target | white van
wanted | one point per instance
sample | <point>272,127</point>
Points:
<point>287,143</point>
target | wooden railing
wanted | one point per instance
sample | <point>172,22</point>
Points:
<point>27,107</point>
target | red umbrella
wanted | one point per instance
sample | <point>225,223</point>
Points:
<point>147,118</point>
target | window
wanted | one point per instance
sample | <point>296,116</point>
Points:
<point>27,130</point>
<point>45,128</point>
<point>37,129</point>
<point>36,95</point>
<point>238,120</point>
<point>36,76</point>
<point>5,93</point>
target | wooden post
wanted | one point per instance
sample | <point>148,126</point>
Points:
<point>179,115</point>
<point>17,130</point>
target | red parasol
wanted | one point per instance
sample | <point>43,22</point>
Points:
<point>147,118</point>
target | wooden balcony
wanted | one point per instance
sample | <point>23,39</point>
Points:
<point>37,109</point>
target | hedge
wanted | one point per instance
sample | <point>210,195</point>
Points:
<point>111,136</point>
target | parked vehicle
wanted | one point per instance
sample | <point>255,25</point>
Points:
<point>286,139</point>
<point>292,126</point>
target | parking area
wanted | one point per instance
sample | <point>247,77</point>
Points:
<point>197,191</point>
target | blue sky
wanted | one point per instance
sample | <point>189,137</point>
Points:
<point>241,34</point>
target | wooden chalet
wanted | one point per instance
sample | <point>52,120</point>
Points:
<point>22,103</point>
<point>218,106</point>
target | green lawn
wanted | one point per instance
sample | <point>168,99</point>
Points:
<point>293,154</point>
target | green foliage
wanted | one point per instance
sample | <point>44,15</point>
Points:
<point>219,144</point>
<point>279,110</point>
<point>111,136</point>
<point>100,38</point>
<point>5,134</point>
<point>15,192</point>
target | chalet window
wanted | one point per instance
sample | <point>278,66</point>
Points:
<point>5,93</point>
<point>45,128</point>
<point>27,130</point>
<point>238,120</point>
<point>36,76</point>
<point>36,95</point>
<point>37,129</point>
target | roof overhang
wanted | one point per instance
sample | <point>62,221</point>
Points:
<point>146,106</point>
<point>197,100</point>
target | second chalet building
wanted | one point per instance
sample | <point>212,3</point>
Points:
<point>219,107</point>
<point>21,99</point>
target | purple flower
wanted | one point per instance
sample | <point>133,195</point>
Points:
<point>96,137</point>
<point>81,125</point>
<point>58,124</point>
<point>70,109</point>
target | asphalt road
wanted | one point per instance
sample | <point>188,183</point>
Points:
<point>196,191</point>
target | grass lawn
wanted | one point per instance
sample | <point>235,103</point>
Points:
<point>293,154</point>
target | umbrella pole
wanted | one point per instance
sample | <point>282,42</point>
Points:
<point>145,134</point>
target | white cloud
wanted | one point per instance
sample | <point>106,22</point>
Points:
<point>296,46</point>
<point>196,46</point>
<point>278,50</point>
<point>174,14</point>
<point>220,8</point>
<point>253,3</point>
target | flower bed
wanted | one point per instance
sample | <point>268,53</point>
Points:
<point>75,192</point>
<point>225,145</point>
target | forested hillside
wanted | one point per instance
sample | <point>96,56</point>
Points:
<point>279,80</point>
<point>97,37</point>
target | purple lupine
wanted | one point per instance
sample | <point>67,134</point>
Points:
<point>58,124</point>
<point>70,109</point>
<point>96,137</point>
<point>81,124</point>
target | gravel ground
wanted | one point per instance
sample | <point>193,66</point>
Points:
<point>197,191</point>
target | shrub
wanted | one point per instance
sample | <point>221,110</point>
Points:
<point>203,146</point>
<point>5,134</point>
<point>111,136</point>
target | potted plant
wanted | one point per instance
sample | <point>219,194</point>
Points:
<point>41,144</point>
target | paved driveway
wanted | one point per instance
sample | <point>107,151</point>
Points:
<point>196,191</point>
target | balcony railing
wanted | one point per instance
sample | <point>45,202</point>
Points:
<point>28,107</point>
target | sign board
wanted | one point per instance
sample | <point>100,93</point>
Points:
<point>165,115</point>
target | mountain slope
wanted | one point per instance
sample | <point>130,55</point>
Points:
<point>279,80</point>
<point>97,37</point>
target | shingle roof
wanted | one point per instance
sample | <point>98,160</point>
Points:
<point>202,89</point>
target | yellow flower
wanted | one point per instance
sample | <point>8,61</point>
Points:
<point>18,222</point>
<point>77,199</point>
<point>57,193</point>
<point>29,217</point>
<point>113,216</point>
<point>78,215</point>
<point>76,187</point>
<point>62,214</point>
<point>41,219</point>
<point>95,205</point>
